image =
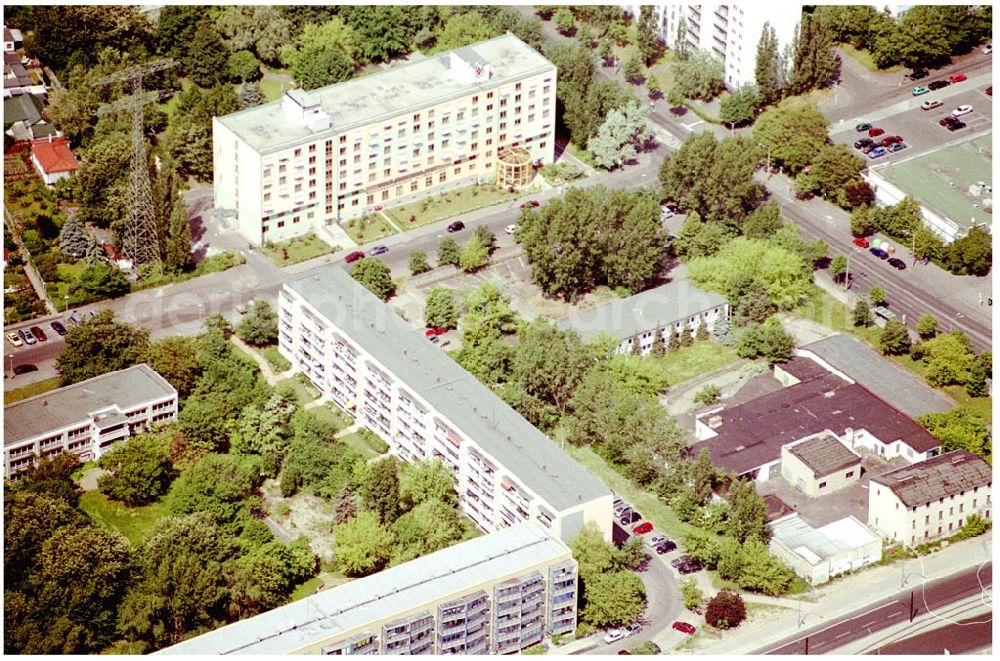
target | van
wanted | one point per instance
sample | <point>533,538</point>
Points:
<point>931,103</point>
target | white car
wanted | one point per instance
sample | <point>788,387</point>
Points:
<point>961,110</point>
<point>987,49</point>
<point>614,636</point>
<point>666,212</point>
<point>510,229</point>
<point>656,540</point>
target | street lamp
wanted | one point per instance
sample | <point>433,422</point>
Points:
<point>847,271</point>
<point>11,356</point>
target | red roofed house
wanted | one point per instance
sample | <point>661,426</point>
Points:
<point>53,159</point>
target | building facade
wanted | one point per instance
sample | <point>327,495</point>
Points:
<point>817,554</point>
<point>729,32</point>
<point>314,159</point>
<point>86,418</point>
<point>930,499</point>
<point>497,594</point>
<point>373,365</point>
<point>674,308</point>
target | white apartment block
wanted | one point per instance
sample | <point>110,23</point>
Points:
<point>674,308</point>
<point>313,159</point>
<point>86,418</point>
<point>930,499</point>
<point>730,32</point>
<point>496,594</point>
<point>372,364</point>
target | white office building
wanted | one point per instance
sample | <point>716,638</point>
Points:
<point>376,367</point>
<point>313,159</point>
<point>86,418</point>
<point>730,32</point>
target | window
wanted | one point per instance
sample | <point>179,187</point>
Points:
<point>443,177</point>
<point>371,177</point>
<point>370,198</point>
<point>343,151</point>
<point>927,520</point>
<point>354,202</point>
<point>343,173</point>
<point>961,508</point>
<point>429,182</point>
<point>312,159</point>
<point>281,224</point>
<point>343,139</point>
<point>416,117</point>
<point>298,188</point>
<point>387,150</point>
<point>386,172</point>
<point>849,474</point>
<point>282,180</point>
<point>822,485</point>
<point>475,99</point>
<point>413,185</point>
<point>267,196</point>
<point>281,168</point>
<point>298,152</point>
<point>357,158</point>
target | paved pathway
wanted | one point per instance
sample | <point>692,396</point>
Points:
<point>270,375</point>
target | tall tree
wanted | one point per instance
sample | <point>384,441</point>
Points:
<point>441,310</point>
<point>73,240</point>
<point>207,57</point>
<point>794,132</point>
<point>380,32</point>
<point>380,490</point>
<point>623,132</point>
<point>177,254</point>
<point>139,471</point>
<point>98,346</point>
<point>813,62</point>
<point>363,545</point>
<point>894,339</point>
<point>647,38</point>
<point>748,513</point>
<point>259,325</point>
<point>375,276</point>
<point>699,76</point>
<point>767,71</point>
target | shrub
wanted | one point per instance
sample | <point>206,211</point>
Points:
<point>726,610</point>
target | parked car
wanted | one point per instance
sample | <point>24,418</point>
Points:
<point>875,132</point>
<point>930,104</point>
<point>691,567</point>
<point>989,91</point>
<point>378,250</point>
<point>630,517</point>
<point>860,242</point>
<point>878,252</point>
<point>39,333</point>
<point>863,126</point>
<point>618,500</point>
<point>954,126</point>
<point>957,77</point>
<point>354,256</point>
<point>643,528</point>
<point>938,85</point>
<point>963,109</point>
<point>891,140</point>
<point>677,562</point>
<point>15,339</point>
<point>613,636</point>
<point>920,89</point>
<point>666,213</point>
<point>863,142</point>
<point>656,540</point>
<point>77,318</point>
<point>684,627</point>
<point>632,629</point>
<point>622,509</point>
<point>987,49</point>
<point>947,119</point>
<point>435,331</point>
<point>530,203</point>
<point>510,229</point>
<point>918,74</point>
<point>456,226</point>
<point>878,152</point>
<point>867,148</point>
<point>899,146</point>
<point>897,263</point>
<point>666,547</point>
<point>27,336</point>
<point>24,368</point>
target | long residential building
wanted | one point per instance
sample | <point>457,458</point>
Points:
<point>375,366</point>
<point>86,418</point>
<point>313,159</point>
<point>729,32</point>
<point>930,499</point>
<point>497,594</point>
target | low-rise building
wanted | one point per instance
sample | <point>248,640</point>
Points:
<point>372,364</point>
<point>672,308</point>
<point>820,464</point>
<point>817,554</point>
<point>497,594</point>
<point>54,159</point>
<point>930,499</point>
<point>86,418</point>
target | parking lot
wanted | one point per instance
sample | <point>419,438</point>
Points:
<point>919,128</point>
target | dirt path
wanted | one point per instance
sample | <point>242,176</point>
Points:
<point>88,481</point>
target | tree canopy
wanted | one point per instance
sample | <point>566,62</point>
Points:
<point>100,345</point>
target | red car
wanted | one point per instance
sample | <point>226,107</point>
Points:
<point>643,528</point>
<point>875,132</point>
<point>891,140</point>
<point>957,77</point>
<point>684,627</point>
<point>530,203</point>
<point>434,332</point>
<point>860,242</point>
<point>354,256</point>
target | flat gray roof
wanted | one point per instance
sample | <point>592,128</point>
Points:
<point>937,477</point>
<point>660,306</point>
<point>888,381</point>
<point>824,454</point>
<point>73,404</point>
<point>401,89</point>
<point>530,456</point>
<point>817,544</point>
<point>380,596</point>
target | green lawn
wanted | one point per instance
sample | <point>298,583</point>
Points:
<point>24,392</point>
<point>307,588</point>
<point>580,154</point>
<point>864,58</point>
<point>303,392</point>
<point>447,205</point>
<point>701,357</point>
<point>333,415</point>
<point>368,228</point>
<point>652,508</point>
<point>297,250</point>
<point>70,272</point>
<point>133,522</point>
<point>363,444</point>
<point>278,362</point>
<point>271,89</point>
<point>170,107</point>
<point>824,309</point>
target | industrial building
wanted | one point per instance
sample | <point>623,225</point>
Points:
<point>817,554</point>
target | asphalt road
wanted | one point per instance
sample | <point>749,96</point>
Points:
<point>828,636</point>
<point>965,636</point>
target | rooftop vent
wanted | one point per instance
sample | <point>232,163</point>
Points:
<point>715,421</point>
<point>957,460</point>
<point>740,448</point>
<point>829,393</point>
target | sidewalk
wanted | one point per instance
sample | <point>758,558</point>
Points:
<point>855,592</point>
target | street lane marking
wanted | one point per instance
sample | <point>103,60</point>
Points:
<point>846,633</point>
<point>868,624</point>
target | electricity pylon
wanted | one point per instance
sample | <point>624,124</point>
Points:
<point>142,243</point>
